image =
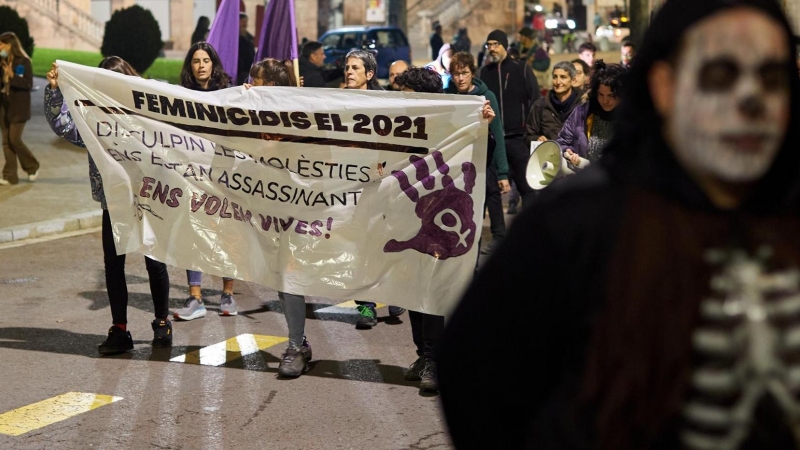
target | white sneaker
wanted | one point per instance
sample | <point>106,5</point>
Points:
<point>33,176</point>
<point>4,182</point>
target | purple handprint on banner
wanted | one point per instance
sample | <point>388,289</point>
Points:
<point>448,228</point>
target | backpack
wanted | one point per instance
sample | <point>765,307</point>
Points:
<point>538,58</point>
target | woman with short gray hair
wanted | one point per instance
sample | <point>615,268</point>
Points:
<point>360,71</point>
<point>548,114</point>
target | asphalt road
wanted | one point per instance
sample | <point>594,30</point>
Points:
<point>216,388</point>
<point>57,393</point>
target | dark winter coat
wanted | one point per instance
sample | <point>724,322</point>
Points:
<point>544,119</point>
<point>573,133</point>
<point>499,158</point>
<point>315,76</point>
<point>514,85</point>
<point>17,103</point>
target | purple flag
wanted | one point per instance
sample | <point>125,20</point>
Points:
<point>224,36</point>
<point>278,32</point>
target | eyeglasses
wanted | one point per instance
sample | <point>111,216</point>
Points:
<point>461,74</point>
<point>492,44</point>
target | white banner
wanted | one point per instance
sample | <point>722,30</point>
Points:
<point>280,186</point>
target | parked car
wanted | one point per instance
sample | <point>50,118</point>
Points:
<point>612,33</point>
<point>609,37</point>
<point>388,44</point>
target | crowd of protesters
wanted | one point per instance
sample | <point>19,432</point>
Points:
<point>516,111</point>
<point>691,137</point>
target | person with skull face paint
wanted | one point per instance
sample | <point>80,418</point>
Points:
<point>677,332</point>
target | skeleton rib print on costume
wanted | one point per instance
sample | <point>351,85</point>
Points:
<point>750,347</point>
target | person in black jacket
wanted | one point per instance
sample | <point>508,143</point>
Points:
<point>312,58</point>
<point>549,113</point>
<point>657,282</point>
<point>436,40</point>
<point>515,86</point>
<point>247,50</point>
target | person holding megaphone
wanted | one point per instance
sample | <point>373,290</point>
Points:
<point>590,126</point>
<point>548,114</point>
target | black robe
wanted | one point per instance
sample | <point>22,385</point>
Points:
<point>582,320</point>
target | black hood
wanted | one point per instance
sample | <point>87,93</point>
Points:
<point>638,151</point>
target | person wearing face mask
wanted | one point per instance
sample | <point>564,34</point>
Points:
<point>15,109</point>
<point>202,71</point>
<point>663,314</point>
<point>590,126</point>
<point>462,68</point>
<point>549,113</point>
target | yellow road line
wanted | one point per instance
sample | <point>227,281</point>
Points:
<point>232,349</point>
<point>50,411</point>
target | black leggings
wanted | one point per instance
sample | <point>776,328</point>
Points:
<point>118,288</point>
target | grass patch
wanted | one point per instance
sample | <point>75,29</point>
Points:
<point>162,69</point>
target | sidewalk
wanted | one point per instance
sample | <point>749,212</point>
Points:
<point>61,198</point>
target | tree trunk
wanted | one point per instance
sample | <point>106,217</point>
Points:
<point>639,19</point>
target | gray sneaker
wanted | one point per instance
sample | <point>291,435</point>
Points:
<point>227,305</point>
<point>294,361</point>
<point>193,308</point>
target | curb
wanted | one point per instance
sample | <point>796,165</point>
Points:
<point>76,222</point>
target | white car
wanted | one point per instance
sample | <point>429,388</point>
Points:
<point>612,33</point>
<point>559,23</point>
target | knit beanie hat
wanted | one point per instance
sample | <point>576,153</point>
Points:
<point>498,36</point>
<point>527,32</point>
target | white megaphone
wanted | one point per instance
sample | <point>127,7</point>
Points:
<point>547,163</point>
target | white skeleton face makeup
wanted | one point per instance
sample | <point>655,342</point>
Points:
<point>731,96</point>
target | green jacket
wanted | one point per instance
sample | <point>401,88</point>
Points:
<point>499,159</point>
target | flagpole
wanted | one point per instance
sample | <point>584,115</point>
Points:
<point>296,65</point>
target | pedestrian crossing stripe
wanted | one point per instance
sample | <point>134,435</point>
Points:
<point>53,410</point>
<point>230,350</point>
<point>348,307</point>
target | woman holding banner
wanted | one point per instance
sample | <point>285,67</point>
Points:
<point>119,338</point>
<point>294,361</point>
<point>427,329</point>
<point>202,71</point>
